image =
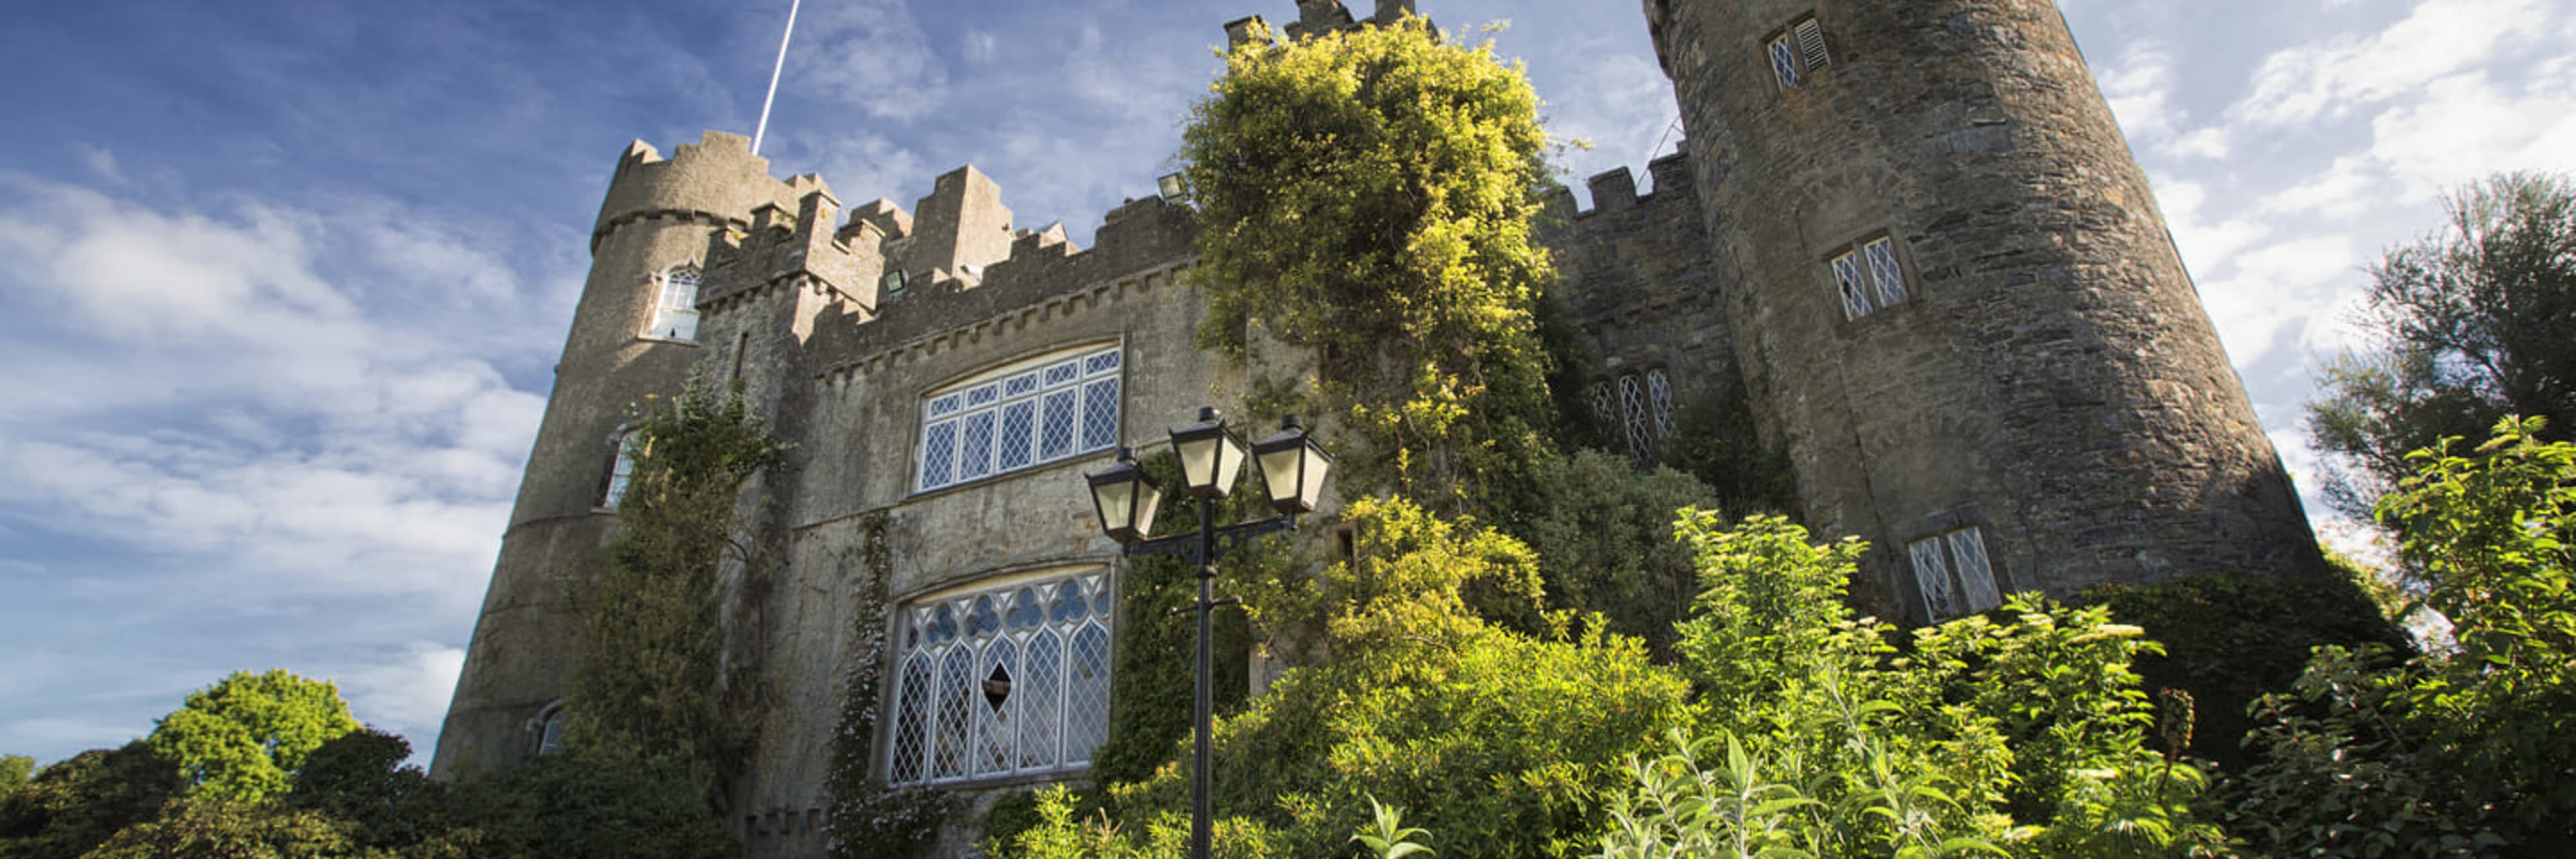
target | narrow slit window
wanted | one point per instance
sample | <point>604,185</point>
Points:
<point>621,468</point>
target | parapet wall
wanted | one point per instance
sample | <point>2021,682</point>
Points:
<point>1636,277</point>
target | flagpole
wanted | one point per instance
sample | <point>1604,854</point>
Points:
<point>765,101</point>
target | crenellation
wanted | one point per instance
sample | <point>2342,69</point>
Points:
<point>2048,378</point>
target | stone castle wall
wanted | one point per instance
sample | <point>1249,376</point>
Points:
<point>2051,379</point>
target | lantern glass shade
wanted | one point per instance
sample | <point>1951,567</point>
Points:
<point>1125,500</point>
<point>1292,468</point>
<point>1210,455</point>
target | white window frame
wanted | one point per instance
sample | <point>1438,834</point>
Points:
<point>1954,573</point>
<point>1869,276</point>
<point>966,428</point>
<point>1051,636</point>
<point>621,467</point>
<point>675,305</point>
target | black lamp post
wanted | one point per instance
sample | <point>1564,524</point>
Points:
<point>1292,469</point>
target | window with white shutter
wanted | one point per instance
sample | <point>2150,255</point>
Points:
<point>1797,53</point>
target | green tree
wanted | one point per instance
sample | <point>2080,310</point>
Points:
<point>243,738</point>
<point>1368,195</point>
<point>14,772</point>
<point>233,829</point>
<point>74,804</point>
<point>2471,324</point>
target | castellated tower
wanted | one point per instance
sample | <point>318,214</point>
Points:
<point>1954,302</point>
<point>634,333</point>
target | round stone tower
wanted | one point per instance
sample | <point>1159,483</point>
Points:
<point>626,342</point>
<point>1957,307</point>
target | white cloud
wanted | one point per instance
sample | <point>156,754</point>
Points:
<point>2465,127</point>
<point>409,693</point>
<point>870,54</point>
<point>2439,38</point>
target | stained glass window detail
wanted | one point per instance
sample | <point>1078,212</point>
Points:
<point>1020,417</point>
<point>1008,681</point>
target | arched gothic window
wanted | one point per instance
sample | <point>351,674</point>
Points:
<point>1005,681</point>
<point>545,732</point>
<point>1659,397</point>
<point>675,315</point>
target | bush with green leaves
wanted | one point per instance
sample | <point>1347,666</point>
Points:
<point>72,805</point>
<point>2021,733</point>
<point>2466,750</point>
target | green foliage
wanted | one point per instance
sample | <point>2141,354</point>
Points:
<point>2472,323</point>
<point>75,804</point>
<point>360,781</point>
<point>1500,740</point>
<point>597,805</point>
<point>1057,835</point>
<point>651,674</point>
<point>243,738</point>
<point>1714,439</point>
<point>2233,637</point>
<point>1154,682</point>
<point>1386,836</point>
<point>1368,195</point>
<point>210,825</point>
<point>868,818</point>
<point>2468,748</point>
<point>1603,535</point>
<point>14,772</point>
<point>2020,733</point>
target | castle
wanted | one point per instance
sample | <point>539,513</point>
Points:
<point>1911,232</point>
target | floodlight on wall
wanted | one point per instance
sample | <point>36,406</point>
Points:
<point>1171,186</point>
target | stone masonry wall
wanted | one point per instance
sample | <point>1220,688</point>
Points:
<point>2052,380</point>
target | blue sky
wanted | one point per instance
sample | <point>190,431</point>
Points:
<point>281,283</point>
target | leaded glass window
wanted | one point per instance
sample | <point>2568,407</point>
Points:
<point>675,314</point>
<point>1954,574</point>
<point>1885,276</point>
<point>1659,396</point>
<point>1007,681</point>
<point>1604,409</point>
<point>621,469</point>
<point>1632,405</point>
<point>1869,277</point>
<point>1784,62</point>
<point>1019,417</point>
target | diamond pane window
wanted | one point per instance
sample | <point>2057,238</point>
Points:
<point>1932,577</point>
<point>1847,278</point>
<point>1632,405</point>
<point>1659,395</point>
<point>1884,274</point>
<point>1024,691</point>
<point>1604,409</point>
<point>1100,414</point>
<point>675,312</point>
<point>1021,416</point>
<point>1784,62</point>
<point>1954,573</point>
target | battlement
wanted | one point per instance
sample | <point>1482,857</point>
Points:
<point>715,180</point>
<point>1615,190</point>
<point>1315,18</point>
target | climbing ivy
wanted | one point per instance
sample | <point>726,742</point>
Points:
<point>1368,195</point>
<point>651,679</point>
<point>867,818</point>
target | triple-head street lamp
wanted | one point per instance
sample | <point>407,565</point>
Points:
<point>1292,470</point>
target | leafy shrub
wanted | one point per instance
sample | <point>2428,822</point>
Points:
<point>75,804</point>
<point>1603,533</point>
<point>2466,750</point>
<point>2022,733</point>
<point>2234,637</point>
<point>243,738</point>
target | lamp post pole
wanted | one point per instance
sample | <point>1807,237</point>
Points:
<point>1201,812</point>
<point>1292,469</point>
